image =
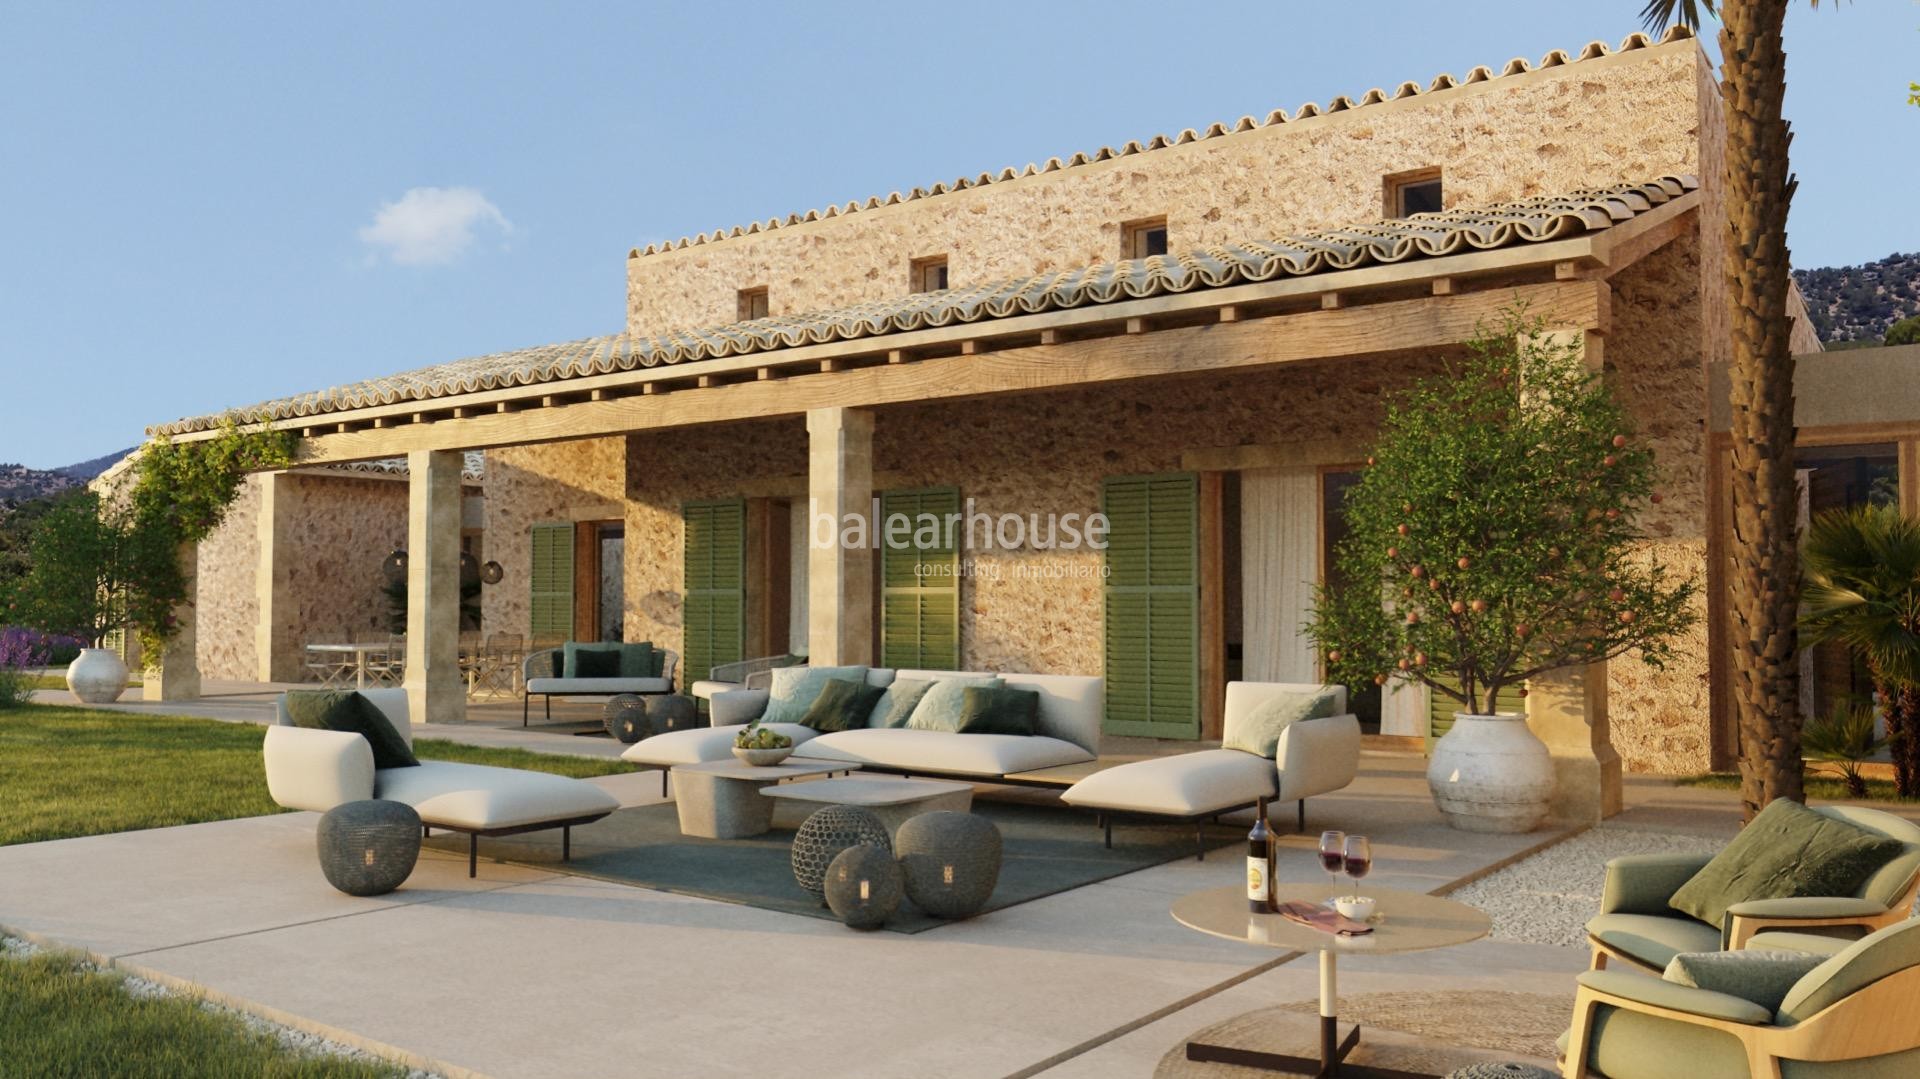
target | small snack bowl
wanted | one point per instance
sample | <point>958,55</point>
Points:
<point>1357,907</point>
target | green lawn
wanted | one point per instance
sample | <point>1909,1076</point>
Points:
<point>59,681</point>
<point>78,771</point>
<point>1825,788</point>
<point>60,1018</point>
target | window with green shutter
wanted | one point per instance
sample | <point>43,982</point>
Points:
<point>552,581</point>
<point>716,595</point>
<point>1440,708</point>
<point>919,581</point>
<point>1153,605</point>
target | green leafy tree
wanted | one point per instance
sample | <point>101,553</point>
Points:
<point>92,572</point>
<point>1862,590</point>
<point>1904,332</point>
<point>1493,537</point>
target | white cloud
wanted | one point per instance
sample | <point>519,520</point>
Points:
<point>432,225</point>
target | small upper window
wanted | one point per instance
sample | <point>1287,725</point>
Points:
<point>1414,193</point>
<point>1143,239</point>
<point>753,303</point>
<point>929,274</point>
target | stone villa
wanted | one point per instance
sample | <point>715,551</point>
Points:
<point>1191,334</point>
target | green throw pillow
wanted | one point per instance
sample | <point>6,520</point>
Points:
<point>571,652</point>
<point>939,707</point>
<point>636,660</point>
<point>896,705</point>
<point>1258,732</point>
<point>596,663</point>
<point>657,664</point>
<point>843,704</point>
<point>1005,710</point>
<point>345,710</point>
<point>1787,850</point>
<point>1762,976</point>
<point>793,689</point>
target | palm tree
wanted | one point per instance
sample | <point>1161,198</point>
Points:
<point>1863,590</point>
<point>1765,581</point>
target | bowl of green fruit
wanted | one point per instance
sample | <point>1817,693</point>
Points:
<point>762,746</point>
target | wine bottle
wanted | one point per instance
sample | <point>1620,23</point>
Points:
<point>1260,863</point>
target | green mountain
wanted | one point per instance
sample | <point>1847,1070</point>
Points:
<point>1858,303</point>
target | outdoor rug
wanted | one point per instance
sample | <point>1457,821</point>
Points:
<point>1044,850</point>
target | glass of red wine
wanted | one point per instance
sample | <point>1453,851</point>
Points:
<point>1333,855</point>
<point>1358,856</point>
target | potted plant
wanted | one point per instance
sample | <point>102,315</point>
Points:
<point>1493,537</point>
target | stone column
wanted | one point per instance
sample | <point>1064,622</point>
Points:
<point>1567,709</point>
<point>174,674</point>
<point>277,656</point>
<point>839,580</point>
<point>435,693</point>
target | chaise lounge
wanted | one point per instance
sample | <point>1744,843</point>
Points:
<point>317,770</point>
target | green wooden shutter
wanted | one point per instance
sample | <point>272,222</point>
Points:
<point>920,584</point>
<point>1153,605</point>
<point>552,581</point>
<point>1440,708</point>
<point>716,594</point>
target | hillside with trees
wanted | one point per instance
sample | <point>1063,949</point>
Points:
<point>1860,303</point>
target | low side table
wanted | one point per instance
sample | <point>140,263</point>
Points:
<point>722,800</point>
<point>1405,922</point>
<point>894,801</point>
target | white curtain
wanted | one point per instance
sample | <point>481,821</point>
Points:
<point>1280,563</point>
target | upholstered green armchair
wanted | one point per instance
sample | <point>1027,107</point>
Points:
<point>1855,1016</point>
<point>1637,924</point>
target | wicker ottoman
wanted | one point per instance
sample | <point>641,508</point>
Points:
<point>1501,1071</point>
<point>626,717</point>
<point>864,886</point>
<point>951,862</point>
<point>672,712</point>
<point>824,835</point>
<point>369,847</point>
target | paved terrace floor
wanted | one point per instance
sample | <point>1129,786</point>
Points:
<point>530,973</point>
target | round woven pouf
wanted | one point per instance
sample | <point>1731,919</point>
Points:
<point>672,712</point>
<point>1501,1071</point>
<point>864,886</point>
<point>368,848</point>
<point>829,831</point>
<point>626,717</point>
<point>951,862</point>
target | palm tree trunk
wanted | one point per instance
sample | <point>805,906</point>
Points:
<point>1903,740</point>
<point>1766,572</point>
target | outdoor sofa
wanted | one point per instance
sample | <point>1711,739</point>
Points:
<point>545,674</point>
<point>319,769</point>
<point>1636,923</point>
<point>1313,756</point>
<point>1067,731</point>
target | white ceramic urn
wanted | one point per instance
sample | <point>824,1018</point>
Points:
<point>97,676</point>
<point>1491,774</point>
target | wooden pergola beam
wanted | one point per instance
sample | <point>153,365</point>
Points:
<point>1386,327</point>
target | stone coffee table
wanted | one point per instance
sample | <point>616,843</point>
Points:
<point>891,800</point>
<point>723,800</point>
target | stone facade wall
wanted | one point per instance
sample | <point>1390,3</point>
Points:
<point>226,605</point>
<point>1630,117</point>
<point>1660,718</point>
<point>529,485</point>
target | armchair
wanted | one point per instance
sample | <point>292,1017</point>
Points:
<point>1856,1015</point>
<point>1636,924</point>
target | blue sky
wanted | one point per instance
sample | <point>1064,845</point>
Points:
<point>207,205</point>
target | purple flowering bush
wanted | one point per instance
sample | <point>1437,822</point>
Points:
<point>22,651</point>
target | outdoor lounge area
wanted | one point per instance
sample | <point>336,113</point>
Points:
<point>1287,598</point>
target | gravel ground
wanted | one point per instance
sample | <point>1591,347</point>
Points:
<point>299,1041</point>
<point>1548,898</point>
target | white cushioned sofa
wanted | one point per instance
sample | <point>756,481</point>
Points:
<point>1314,756</point>
<point>536,674</point>
<point>1067,731</point>
<point>319,769</point>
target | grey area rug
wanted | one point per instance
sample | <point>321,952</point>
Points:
<point>1045,850</point>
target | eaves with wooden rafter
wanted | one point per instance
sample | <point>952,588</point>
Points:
<point>1541,248</point>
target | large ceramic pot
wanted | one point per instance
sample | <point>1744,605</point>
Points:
<point>97,676</point>
<point>1491,774</point>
